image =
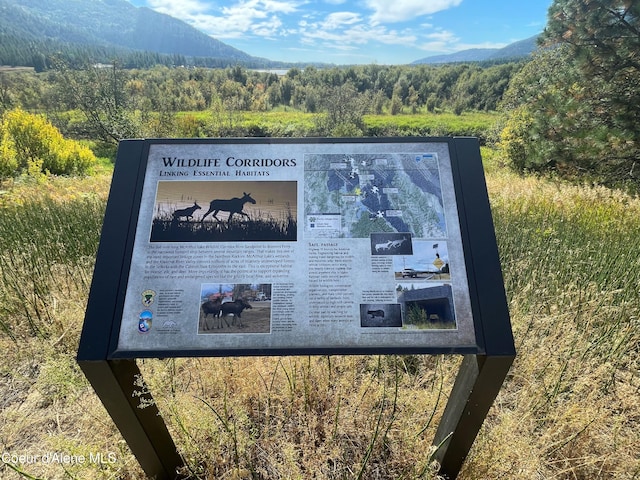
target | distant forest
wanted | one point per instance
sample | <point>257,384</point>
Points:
<point>379,89</point>
<point>18,51</point>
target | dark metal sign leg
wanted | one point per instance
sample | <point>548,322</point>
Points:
<point>118,385</point>
<point>476,387</point>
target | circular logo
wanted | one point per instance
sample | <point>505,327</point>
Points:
<point>144,322</point>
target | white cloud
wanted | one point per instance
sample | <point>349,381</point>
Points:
<point>445,41</point>
<point>178,7</point>
<point>270,28</point>
<point>354,34</point>
<point>443,36</point>
<point>304,24</point>
<point>278,6</point>
<point>386,11</point>
<point>259,17</point>
<point>441,41</point>
<point>339,19</point>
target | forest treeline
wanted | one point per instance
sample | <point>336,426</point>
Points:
<point>388,89</point>
<point>42,55</point>
<point>107,103</point>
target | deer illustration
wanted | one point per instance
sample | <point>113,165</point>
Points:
<point>186,212</point>
<point>232,205</point>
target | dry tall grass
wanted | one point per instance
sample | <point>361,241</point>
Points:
<point>570,408</point>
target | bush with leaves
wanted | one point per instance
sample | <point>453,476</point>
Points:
<point>344,110</point>
<point>106,97</point>
<point>30,144</point>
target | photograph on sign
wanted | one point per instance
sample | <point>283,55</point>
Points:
<point>274,220</point>
<point>244,246</point>
<point>391,244</point>
<point>222,306</point>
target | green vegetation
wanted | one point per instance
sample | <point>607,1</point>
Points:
<point>569,252</point>
<point>568,410</point>
<point>48,241</point>
<point>473,124</point>
<point>110,103</point>
<point>291,123</point>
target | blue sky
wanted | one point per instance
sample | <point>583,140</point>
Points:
<point>359,31</point>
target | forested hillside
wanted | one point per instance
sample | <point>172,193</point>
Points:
<point>33,32</point>
<point>515,51</point>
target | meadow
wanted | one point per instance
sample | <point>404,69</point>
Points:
<point>569,409</point>
<point>294,123</point>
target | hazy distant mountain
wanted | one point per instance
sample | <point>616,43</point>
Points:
<point>109,24</point>
<point>516,50</point>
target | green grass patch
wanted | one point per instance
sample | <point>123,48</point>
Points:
<point>293,123</point>
<point>48,244</point>
<point>474,124</point>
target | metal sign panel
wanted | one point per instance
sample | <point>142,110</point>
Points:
<point>290,246</point>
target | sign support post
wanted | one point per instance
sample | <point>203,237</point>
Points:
<point>481,375</point>
<point>118,382</point>
<point>121,389</point>
<point>477,384</point>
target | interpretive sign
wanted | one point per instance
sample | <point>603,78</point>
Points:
<point>224,247</point>
<point>296,245</point>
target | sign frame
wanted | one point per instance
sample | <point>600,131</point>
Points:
<point>117,379</point>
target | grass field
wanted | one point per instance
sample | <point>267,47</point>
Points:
<point>569,409</point>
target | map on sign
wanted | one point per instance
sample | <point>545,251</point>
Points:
<point>354,195</point>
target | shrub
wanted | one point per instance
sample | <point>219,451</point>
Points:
<point>8,161</point>
<point>30,144</point>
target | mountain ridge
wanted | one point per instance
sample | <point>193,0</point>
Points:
<point>513,51</point>
<point>111,24</point>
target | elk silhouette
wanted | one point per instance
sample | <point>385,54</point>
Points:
<point>232,205</point>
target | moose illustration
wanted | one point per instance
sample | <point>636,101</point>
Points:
<point>232,205</point>
<point>186,212</point>
<point>383,246</point>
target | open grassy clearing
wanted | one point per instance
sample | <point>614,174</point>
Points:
<point>280,123</point>
<point>570,408</point>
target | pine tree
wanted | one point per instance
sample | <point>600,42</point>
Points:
<point>574,108</point>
